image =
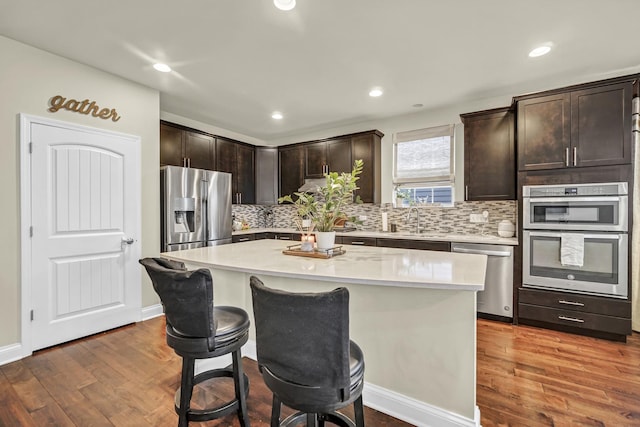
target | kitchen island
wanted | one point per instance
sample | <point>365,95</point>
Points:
<point>412,312</point>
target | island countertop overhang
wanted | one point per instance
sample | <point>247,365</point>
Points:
<point>360,265</point>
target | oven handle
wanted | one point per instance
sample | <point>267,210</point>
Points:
<point>614,236</point>
<point>575,199</point>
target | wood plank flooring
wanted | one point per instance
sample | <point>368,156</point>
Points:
<point>127,377</point>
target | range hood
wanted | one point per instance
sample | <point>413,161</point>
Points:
<point>311,185</point>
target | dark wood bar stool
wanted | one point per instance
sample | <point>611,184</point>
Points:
<point>306,357</point>
<point>198,330</point>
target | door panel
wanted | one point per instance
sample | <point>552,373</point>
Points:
<point>85,201</point>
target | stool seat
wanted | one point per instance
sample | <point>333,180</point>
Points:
<point>196,329</point>
<point>356,366</point>
<point>232,326</point>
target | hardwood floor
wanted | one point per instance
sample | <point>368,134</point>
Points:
<point>127,377</point>
<point>536,377</point>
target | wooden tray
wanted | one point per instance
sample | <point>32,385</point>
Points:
<point>316,253</point>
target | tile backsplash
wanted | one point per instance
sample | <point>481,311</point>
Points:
<point>436,219</point>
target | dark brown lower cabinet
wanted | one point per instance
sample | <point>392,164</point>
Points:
<point>600,317</point>
<point>425,245</point>
<point>243,238</point>
<point>357,241</point>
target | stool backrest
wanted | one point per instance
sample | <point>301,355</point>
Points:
<point>187,296</point>
<point>303,337</point>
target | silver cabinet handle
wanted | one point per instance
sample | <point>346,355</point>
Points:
<point>571,319</point>
<point>240,198</point>
<point>466,192</point>
<point>577,304</point>
<point>283,237</point>
<point>357,242</point>
<point>243,239</point>
<point>575,156</point>
<point>566,157</point>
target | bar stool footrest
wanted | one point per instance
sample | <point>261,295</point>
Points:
<point>219,411</point>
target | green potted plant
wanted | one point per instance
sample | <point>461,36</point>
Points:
<point>325,207</point>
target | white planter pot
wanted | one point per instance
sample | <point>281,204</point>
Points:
<point>325,239</point>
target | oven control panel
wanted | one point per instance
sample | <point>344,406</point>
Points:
<point>576,190</point>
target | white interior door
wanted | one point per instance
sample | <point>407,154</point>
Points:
<point>85,218</point>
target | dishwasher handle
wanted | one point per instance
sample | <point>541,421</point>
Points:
<point>481,252</point>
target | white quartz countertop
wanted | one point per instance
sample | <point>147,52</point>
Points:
<point>443,237</point>
<point>360,264</point>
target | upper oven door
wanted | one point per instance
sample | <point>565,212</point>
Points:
<point>608,213</point>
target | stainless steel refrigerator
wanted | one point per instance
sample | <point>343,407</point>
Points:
<point>195,208</point>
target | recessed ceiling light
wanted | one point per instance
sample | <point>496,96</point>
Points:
<point>375,92</point>
<point>162,67</point>
<point>285,4</point>
<point>277,115</point>
<point>540,50</point>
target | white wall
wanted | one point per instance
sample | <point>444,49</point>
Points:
<point>29,77</point>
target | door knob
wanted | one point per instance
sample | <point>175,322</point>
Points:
<point>128,240</point>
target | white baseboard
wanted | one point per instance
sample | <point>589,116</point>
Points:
<point>414,411</point>
<point>10,353</point>
<point>151,311</point>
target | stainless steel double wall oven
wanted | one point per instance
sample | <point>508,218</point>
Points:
<point>591,220</point>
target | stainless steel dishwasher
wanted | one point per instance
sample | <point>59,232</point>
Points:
<point>497,298</point>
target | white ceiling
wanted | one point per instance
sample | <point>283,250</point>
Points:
<point>236,61</point>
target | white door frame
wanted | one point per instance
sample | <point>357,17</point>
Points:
<point>26,263</point>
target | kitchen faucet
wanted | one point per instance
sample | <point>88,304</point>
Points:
<point>417,217</point>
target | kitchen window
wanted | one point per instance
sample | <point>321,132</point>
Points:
<point>423,171</point>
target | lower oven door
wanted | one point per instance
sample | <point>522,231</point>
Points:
<point>604,269</point>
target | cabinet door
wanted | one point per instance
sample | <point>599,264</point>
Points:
<point>226,157</point>
<point>315,159</point>
<point>367,148</point>
<point>171,146</point>
<point>489,156</point>
<point>339,155</point>
<point>544,132</point>
<point>601,125</point>
<point>199,150</point>
<point>245,174</point>
<point>291,169</point>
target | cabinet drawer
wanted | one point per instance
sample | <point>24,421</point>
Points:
<point>424,245</point>
<point>243,238</point>
<point>360,241</point>
<point>283,236</point>
<point>576,302</point>
<point>576,319</point>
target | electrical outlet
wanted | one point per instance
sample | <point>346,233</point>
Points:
<point>478,218</point>
<point>362,217</point>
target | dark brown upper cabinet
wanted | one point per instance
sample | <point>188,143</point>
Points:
<point>238,159</point>
<point>183,147</point>
<point>315,158</point>
<point>327,156</point>
<point>489,155</point>
<point>291,164</point>
<point>587,125</point>
<point>367,147</point>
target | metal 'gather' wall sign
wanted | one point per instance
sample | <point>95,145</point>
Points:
<point>83,107</point>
